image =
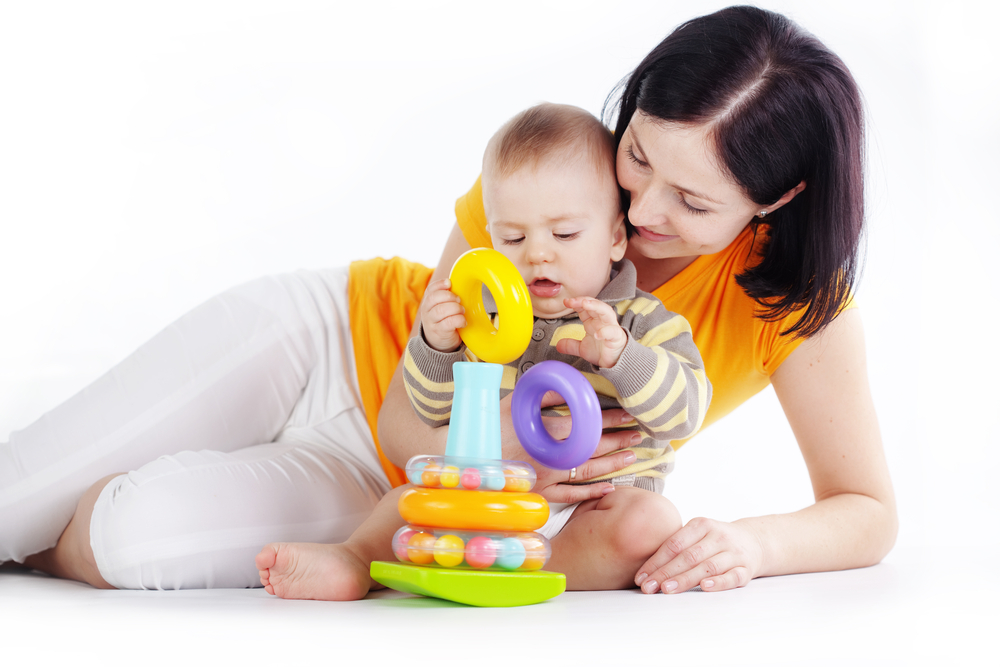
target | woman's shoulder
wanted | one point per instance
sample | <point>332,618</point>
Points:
<point>471,216</point>
<point>722,315</point>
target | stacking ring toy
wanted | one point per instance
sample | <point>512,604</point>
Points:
<point>485,266</point>
<point>526,409</point>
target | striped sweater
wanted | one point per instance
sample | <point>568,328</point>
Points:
<point>659,379</point>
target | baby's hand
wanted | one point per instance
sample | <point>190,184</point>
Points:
<point>604,340</point>
<point>442,315</point>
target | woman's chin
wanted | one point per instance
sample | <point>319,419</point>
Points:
<point>651,249</point>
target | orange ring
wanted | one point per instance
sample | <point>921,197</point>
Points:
<point>474,510</point>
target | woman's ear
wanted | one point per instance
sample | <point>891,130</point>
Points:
<point>619,238</point>
<point>787,197</point>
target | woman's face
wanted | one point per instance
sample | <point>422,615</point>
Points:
<point>683,202</point>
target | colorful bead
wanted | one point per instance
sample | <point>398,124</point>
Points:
<point>420,548</point>
<point>515,482</point>
<point>470,479</point>
<point>493,479</point>
<point>449,550</point>
<point>431,476</point>
<point>415,474</point>
<point>480,552</point>
<point>449,477</point>
<point>535,553</point>
<point>511,554</point>
<point>399,544</point>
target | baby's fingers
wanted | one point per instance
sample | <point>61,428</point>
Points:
<point>590,308</point>
<point>568,346</point>
<point>441,312</point>
<point>439,292</point>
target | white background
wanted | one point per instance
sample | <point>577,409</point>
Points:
<point>153,154</point>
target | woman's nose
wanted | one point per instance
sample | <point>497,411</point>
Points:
<point>645,211</point>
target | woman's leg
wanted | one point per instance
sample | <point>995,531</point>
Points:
<point>230,374</point>
<point>198,519</point>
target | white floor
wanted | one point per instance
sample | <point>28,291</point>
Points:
<point>913,609</point>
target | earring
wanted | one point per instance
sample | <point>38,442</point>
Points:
<point>762,213</point>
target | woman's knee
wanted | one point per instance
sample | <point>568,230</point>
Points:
<point>198,519</point>
<point>73,555</point>
<point>157,528</point>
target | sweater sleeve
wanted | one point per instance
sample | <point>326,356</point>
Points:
<point>429,382</point>
<point>660,377</point>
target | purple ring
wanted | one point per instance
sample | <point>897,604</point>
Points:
<point>526,411</point>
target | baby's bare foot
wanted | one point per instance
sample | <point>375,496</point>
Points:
<point>302,571</point>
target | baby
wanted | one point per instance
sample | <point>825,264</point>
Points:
<point>553,209</point>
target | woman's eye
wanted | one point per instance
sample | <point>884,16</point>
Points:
<point>632,156</point>
<point>692,209</point>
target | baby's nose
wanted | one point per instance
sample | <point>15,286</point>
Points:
<point>539,252</point>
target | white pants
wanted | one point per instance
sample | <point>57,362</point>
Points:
<point>238,425</point>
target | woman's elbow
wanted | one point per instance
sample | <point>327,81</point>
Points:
<point>884,533</point>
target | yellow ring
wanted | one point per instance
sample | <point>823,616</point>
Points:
<point>485,266</point>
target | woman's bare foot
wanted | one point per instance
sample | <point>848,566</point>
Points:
<point>303,571</point>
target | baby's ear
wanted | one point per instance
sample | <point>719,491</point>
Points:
<point>619,238</point>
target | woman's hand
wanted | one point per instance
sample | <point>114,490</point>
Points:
<point>714,554</point>
<point>551,484</point>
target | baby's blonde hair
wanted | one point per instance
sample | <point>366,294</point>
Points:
<point>546,130</point>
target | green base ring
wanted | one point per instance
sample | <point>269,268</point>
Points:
<point>473,587</point>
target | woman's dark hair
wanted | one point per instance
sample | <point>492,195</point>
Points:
<point>783,109</point>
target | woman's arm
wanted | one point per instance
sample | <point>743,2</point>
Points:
<point>402,434</point>
<point>823,389</point>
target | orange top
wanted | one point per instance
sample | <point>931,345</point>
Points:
<point>740,351</point>
<point>383,299</point>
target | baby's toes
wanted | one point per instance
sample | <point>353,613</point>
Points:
<point>266,558</point>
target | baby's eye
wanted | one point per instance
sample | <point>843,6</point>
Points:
<point>516,241</point>
<point>567,237</point>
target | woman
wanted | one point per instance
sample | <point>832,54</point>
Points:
<point>741,134</point>
<point>260,381</point>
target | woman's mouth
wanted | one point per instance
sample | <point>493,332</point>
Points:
<point>650,235</point>
<point>544,288</point>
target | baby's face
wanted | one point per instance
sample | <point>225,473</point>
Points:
<point>561,225</point>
